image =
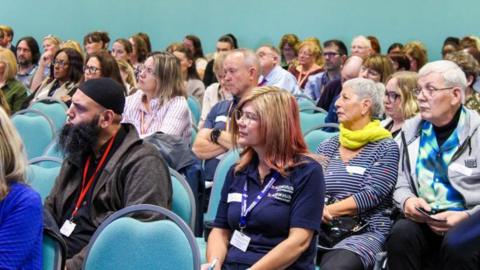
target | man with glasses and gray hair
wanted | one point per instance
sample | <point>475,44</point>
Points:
<point>438,181</point>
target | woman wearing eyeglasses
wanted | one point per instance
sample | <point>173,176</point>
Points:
<point>376,68</point>
<point>160,104</point>
<point>272,200</point>
<point>102,64</point>
<point>400,101</point>
<point>66,72</point>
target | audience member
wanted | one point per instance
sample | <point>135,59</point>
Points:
<point>361,166</point>
<point>146,38</point>
<point>335,54</point>
<point>289,49</point>
<point>375,44</point>
<point>241,69</point>
<point>139,53</point>
<point>435,192</point>
<point>160,104</point>
<point>307,72</point>
<point>224,43</point>
<point>107,167</point>
<point>13,90</point>
<point>361,46</point>
<point>73,44</point>
<point>395,48</point>
<point>376,68</point>
<point>216,92</point>
<point>7,37</point>
<point>102,64</point>
<point>272,73</point>
<point>28,55</point>
<point>281,184</point>
<point>471,68</point>
<point>21,207</point>
<point>51,45</point>
<point>417,54</point>
<point>66,72</point>
<point>95,42</point>
<point>122,49</point>
<point>194,85</point>
<point>194,44</point>
<point>450,45</point>
<point>128,76</point>
<point>399,101</point>
<point>399,61</point>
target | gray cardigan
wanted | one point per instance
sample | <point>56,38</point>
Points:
<point>465,179</point>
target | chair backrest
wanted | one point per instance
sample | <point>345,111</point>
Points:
<point>195,108</point>
<point>53,256</point>
<point>36,130</point>
<point>194,134</point>
<point>219,177</point>
<point>53,108</point>
<point>308,121</point>
<point>126,243</point>
<point>42,173</point>
<point>183,201</point>
<point>53,150</point>
<point>315,137</point>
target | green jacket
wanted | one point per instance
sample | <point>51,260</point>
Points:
<point>15,94</point>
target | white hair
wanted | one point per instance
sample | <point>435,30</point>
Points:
<point>364,40</point>
<point>368,89</point>
<point>452,74</point>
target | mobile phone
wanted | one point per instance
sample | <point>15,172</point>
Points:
<point>428,215</point>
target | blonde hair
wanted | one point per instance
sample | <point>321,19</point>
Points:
<point>279,124</point>
<point>167,71</point>
<point>73,44</point>
<point>313,44</point>
<point>12,156</point>
<point>381,64</point>
<point>7,57</point>
<point>55,40</point>
<point>126,67</point>
<point>406,83</point>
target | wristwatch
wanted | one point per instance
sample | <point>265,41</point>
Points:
<point>215,134</point>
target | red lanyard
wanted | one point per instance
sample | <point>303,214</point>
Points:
<point>84,190</point>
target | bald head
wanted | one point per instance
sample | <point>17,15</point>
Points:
<point>351,68</point>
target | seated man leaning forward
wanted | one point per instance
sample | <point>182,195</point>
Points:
<point>107,167</point>
<point>438,182</point>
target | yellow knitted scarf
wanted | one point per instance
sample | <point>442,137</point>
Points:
<point>370,133</point>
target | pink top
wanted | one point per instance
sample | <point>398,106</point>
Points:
<point>172,118</point>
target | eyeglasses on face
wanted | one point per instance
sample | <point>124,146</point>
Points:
<point>246,116</point>
<point>91,69</point>
<point>60,63</point>
<point>391,96</point>
<point>428,90</point>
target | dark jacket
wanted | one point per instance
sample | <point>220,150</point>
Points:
<point>135,174</point>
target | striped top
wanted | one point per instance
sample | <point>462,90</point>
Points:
<point>369,178</point>
<point>172,118</point>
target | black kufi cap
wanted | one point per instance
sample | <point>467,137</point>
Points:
<point>106,92</point>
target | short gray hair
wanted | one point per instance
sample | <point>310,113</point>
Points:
<point>364,39</point>
<point>250,59</point>
<point>451,73</point>
<point>368,89</point>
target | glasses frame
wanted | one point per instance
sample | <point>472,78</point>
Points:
<point>417,91</point>
<point>247,117</point>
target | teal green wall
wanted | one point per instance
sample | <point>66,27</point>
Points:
<point>253,21</point>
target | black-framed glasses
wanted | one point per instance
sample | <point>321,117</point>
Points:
<point>246,116</point>
<point>330,54</point>
<point>91,69</point>
<point>429,90</point>
<point>60,63</point>
<point>391,96</point>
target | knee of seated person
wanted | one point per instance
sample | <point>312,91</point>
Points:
<point>401,232</point>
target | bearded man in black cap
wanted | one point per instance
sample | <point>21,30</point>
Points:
<point>107,167</point>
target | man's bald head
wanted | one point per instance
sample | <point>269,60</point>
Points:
<point>351,68</point>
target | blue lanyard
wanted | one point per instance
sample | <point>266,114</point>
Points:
<point>245,211</point>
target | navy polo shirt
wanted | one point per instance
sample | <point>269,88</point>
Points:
<point>293,201</point>
<point>217,118</point>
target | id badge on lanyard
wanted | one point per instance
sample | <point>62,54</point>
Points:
<point>239,239</point>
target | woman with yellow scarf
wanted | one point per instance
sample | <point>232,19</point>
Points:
<point>360,172</point>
